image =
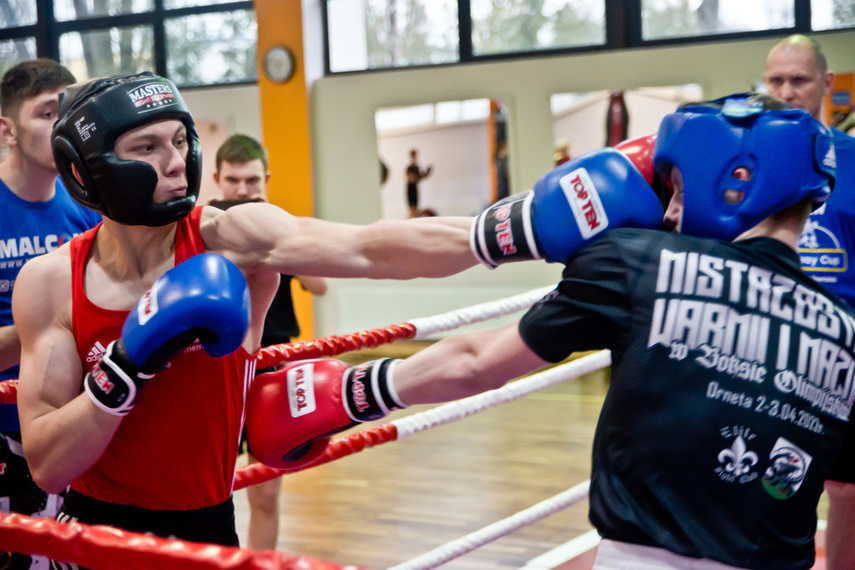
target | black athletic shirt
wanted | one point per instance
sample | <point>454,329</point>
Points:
<point>731,387</point>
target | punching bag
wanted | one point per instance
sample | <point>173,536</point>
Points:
<point>617,119</point>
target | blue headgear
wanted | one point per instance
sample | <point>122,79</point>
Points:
<point>789,153</point>
<point>91,117</point>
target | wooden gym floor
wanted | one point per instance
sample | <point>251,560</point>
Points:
<point>397,501</point>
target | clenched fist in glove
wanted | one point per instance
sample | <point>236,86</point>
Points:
<point>293,412</point>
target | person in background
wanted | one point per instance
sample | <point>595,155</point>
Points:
<point>38,216</point>
<point>384,172</point>
<point>241,175</point>
<point>797,72</point>
<point>415,174</point>
<point>503,185</point>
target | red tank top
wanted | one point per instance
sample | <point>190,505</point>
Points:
<point>177,449</point>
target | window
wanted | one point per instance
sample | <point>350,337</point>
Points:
<point>67,10</point>
<point>383,34</point>
<point>832,14</point>
<point>200,42</point>
<point>170,4</point>
<point>370,34</point>
<point>13,52</point>
<point>688,18</point>
<point>96,53</point>
<point>525,26</point>
<point>212,48</point>
<point>193,42</point>
<point>17,13</point>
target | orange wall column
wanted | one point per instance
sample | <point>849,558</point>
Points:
<point>285,125</point>
<point>841,101</point>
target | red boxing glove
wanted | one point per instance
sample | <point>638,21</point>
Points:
<point>293,412</point>
<point>640,152</point>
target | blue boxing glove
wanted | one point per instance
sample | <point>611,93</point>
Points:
<point>569,206</point>
<point>206,297</point>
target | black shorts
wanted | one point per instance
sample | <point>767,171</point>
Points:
<point>214,524</point>
<point>412,195</point>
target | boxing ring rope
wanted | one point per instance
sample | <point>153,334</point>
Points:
<point>101,547</point>
<point>397,430</point>
<point>339,344</point>
<point>105,548</point>
<point>407,426</point>
<point>415,329</point>
<point>477,539</point>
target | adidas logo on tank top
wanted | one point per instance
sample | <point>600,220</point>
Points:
<point>96,352</point>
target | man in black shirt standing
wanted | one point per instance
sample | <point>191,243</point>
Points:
<point>415,174</point>
<point>242,175</point>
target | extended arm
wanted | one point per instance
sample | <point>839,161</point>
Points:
<point>550,223</point>
<point>63,432</point>
<point>262,236</point>
<point>342,396</point>
<point>840,533</point>
<point>465,365</point>
<point>10,347</point>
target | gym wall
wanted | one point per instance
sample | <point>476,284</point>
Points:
<point>345,156</point>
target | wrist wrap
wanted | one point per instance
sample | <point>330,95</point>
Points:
<point>504,232</point>
<point>369,390</point>
<point>114,383</point>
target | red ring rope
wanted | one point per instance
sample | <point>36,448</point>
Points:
<point>278,353</point>
<point>333,345</point>
<point>105,548</point>
<point>354,443</point>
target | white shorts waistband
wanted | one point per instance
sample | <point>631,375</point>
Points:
<point>614,555</point>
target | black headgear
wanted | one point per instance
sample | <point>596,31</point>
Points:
<point>91,117</point>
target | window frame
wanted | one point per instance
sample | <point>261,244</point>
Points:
<point>47,30</point>
<point>623,31</point>
<point>622,26</point>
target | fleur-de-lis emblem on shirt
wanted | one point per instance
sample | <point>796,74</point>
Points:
<point>737,460</point>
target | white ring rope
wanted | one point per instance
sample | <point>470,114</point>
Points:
<point>459,409</point>
<point>476,313</point>
<point>470,542</point>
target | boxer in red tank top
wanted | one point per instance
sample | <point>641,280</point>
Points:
<point>185,461</point>
<point>162,460</point>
